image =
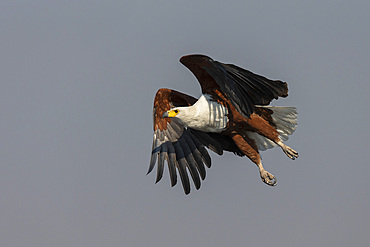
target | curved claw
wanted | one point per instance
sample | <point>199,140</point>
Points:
<point>272,182</point>
<point>268,178</point>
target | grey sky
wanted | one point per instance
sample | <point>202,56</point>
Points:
<point>78,80</point>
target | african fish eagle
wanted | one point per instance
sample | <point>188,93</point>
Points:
<point>231,115</point>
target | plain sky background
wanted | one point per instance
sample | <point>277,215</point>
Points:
<point>77,82</point>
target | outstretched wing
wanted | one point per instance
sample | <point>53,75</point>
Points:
<point>243,88</point>
<point>184,149</point>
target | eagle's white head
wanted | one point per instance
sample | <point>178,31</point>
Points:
<point>185,114</point>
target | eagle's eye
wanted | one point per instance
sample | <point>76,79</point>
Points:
<point>176,111</point>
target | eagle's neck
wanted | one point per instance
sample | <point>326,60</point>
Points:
<point>205,115</point>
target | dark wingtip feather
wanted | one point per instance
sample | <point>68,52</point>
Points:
<point>172,163</point>
<point>185,181</point>
<point>153,159</point>
<point>207,160</point>
<point>190,161</point>
<point>161,159</point>
<point>193,58</point>
<point>181,166</point>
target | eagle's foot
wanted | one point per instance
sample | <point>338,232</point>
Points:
<point>268,178</point>
<point>290,152</point>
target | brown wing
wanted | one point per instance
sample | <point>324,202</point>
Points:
<point>183,148</point>
<point>174,143</point>
<point>243,88</point>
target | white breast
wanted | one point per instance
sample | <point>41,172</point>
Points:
<point>208,115</point>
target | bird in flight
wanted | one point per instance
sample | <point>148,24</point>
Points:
<point>232,114</point>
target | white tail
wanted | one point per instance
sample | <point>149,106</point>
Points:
<point>285,119</point>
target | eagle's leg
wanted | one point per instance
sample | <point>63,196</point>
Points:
<point>249,148</point>
<point>266,129</point>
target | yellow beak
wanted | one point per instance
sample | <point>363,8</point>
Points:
<point>170,113</point>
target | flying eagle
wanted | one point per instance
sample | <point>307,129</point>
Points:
<point>232,114</point>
